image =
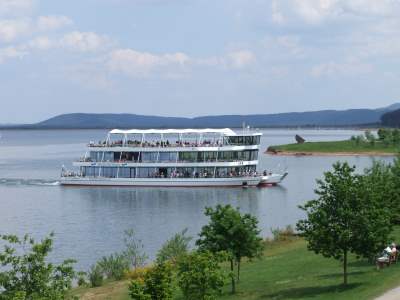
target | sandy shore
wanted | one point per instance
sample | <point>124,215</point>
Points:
<point>302,153</point>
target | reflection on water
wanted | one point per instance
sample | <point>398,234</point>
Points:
<point>89,222</point>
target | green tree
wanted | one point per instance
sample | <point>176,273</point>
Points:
<point>359,139</point>
<point>385,136</point>
<point>392,193</point>
<point>369,136</point>
<point>396,136</point>
<point>382,134</point>
<point>232,232</point>
<point>156,285</point>
<point>200,275</point>
<point>25,274</point>
<point>383,183</point>
<point>345,218</point>
<point>134,251</point>
<point>175,247</point>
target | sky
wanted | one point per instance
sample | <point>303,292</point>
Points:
<point>196,57</point>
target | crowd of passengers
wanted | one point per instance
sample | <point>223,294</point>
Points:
<point>194,174</point>
<point>186,174</point>
<point>136,143</point>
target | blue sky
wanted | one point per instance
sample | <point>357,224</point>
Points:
<point>196,57</point>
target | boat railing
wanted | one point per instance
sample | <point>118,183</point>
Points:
<point>124,161</point>
<point>68,174</point>
<point>156,144</point>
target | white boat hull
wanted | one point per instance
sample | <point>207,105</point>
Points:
<point>162,182</point>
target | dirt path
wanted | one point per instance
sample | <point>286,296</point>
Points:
<point>390,295</point>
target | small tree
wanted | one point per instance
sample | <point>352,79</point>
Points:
<point>369,137</point>
<point>345,218</point>
<point>396,136</point>
<point>27,275</point>
<point>175,247</point>
<point>359,139</point>
<point>383,183</point>
<point>382,134</point>
<point>200,275</point>
<point>232,232</point>
<point>134,249</point>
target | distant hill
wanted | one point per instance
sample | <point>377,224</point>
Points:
<point>323,118</point>
<point>391,118</point>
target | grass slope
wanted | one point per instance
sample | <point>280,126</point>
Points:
<point>289,271</point>
<point>336,147</point>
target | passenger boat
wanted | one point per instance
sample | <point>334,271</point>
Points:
<point>172,158</point>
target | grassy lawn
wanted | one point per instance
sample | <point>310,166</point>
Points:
<point>338,147</point>
<point>289,271</point>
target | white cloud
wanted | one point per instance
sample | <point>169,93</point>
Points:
<point>317,11</point>
<point>240,59</point>
<point>11,52</point>
<point>15,7</point>
<point>141,64</point>
<point>41,43</point>
<point>13,29</point>
<point>277,16</point>
<point>84,41</point>
<point>48,23</point>
<point>349,68</point>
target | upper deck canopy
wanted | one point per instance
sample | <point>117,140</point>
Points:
<point>224,131</point>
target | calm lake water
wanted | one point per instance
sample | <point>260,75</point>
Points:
<point>88,222</point>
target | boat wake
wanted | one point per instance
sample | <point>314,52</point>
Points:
<point>34,182</point>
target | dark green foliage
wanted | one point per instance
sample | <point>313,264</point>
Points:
<point>175,247</point>
<point>229,231</point>
<point>25,274</point>
<point>114,265</point>
<point>348,217</point>
<point>396,136</point>
<point>137,291</point>
<point>96,276</point>
<point>200,275</point>
<point>389,136</point>
<point>157,284</point>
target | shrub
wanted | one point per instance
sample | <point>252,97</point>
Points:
<point>200,275</point>
<point>156,285</point>
<point>138,273</point>
<point>114,266</point>
<point>137,290</point>
<point>82,278</point>
<point>286,234</point>
<point>95,275</point>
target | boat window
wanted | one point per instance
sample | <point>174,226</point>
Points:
<point>168,156</point>
<point>188,156</point>
<point>149,156</point>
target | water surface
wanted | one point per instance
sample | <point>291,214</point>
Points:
<point>89,221</point>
